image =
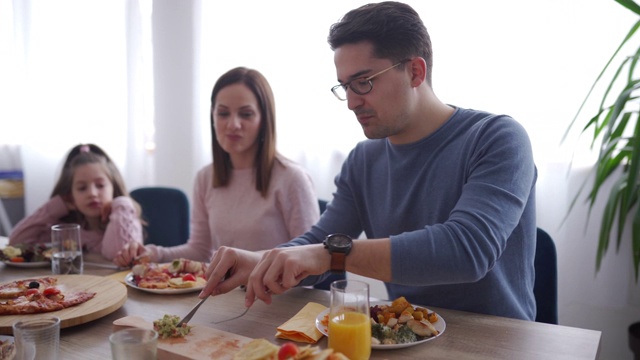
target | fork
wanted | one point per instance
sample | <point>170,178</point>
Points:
<point>195,308</point>
<point>232,318</point>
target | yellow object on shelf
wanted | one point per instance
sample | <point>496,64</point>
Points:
<point>11,188</point>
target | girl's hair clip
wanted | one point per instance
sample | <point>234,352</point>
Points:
<point>85,148</point>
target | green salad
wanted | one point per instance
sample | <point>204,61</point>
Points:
<point>168,327</point>
<point>26,253</point>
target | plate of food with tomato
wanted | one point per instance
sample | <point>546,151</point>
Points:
<point>176,277</point>
<point>27,255</point>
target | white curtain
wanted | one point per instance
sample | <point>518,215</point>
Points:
<point>135,78</point>
<point>73,72</point>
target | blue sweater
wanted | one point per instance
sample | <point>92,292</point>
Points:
<point>459,207</point>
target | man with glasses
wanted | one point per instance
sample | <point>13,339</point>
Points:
<point>445,195</point>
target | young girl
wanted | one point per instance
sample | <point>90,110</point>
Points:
<point>90,192</point>
<point>250,197</point>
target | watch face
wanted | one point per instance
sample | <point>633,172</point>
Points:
<point>340,241</point>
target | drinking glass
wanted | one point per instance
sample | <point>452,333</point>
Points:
<point>349,323</point>
<point>134,343</point>
<point>37,338</point>
<point>66,256</point>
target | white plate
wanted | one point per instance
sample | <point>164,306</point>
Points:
<point>440,325</point>
<point>4,338</point>
<point>34,264</point>
<point>168,291</point>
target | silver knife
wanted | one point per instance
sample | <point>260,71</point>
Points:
<point>195,308</point>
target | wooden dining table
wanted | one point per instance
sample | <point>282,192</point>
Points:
<point>467,335</point>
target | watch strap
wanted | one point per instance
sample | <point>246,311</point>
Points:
<point>338,262</point>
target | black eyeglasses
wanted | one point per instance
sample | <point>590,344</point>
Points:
<point>360,86</point>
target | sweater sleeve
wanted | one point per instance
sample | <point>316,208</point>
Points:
<point>298,202</point>
<point>124,227</point>
<point>36,228</point>
<point>487,214</point>
<point>198,247</point>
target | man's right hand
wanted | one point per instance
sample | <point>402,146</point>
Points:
<point>228,269</point>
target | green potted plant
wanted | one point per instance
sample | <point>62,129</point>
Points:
<point>615,129</point>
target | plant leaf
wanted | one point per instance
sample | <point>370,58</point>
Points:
<point>629,35</point>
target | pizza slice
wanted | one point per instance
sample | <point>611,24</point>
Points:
<point>39,299</point>
<point>18,288</point>
<point>180,273</point>
<point>156,281</point>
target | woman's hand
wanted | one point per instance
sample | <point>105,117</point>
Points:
<point>129,253</point>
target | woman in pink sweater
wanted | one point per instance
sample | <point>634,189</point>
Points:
<point>90,192</point>
<point>250,197</point>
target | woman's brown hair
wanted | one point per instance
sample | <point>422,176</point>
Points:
<point>265,156</point>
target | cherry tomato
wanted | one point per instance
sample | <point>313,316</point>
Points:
<point>287,351</point>
<point>17,259</point>
<point>51,291</point>
<point>189,277</point>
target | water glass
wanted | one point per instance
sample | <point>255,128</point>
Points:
<point>349,319</point>
<point>134,344</point>
<point>66,256</point>
<point>37,338</point>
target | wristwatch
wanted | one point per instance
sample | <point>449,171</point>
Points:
<point>339,246</point>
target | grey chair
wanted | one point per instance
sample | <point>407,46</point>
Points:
<point>166,211</point>
<point>545,288</point>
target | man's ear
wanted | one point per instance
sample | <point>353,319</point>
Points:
<point>418,68</point>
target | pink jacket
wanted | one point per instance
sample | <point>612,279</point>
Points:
<point>123,227</point>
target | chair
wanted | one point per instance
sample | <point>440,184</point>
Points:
<point>545,288</point>
<point>166,211</point>
<point>323,205</point>
<point>326,283</point>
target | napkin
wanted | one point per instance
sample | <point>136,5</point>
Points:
<point>302,327</point>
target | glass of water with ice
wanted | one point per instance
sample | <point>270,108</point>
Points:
<point>66,256</point>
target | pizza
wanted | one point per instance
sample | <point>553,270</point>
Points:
<point>38,295</point>
<point>18,288</point>
<point>180,273</point>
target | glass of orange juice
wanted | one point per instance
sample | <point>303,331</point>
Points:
<point>349,323</point>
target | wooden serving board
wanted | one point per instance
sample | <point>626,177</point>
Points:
<point>110,296</point>
<point>201,343</point>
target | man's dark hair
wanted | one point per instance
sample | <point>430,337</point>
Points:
<point>395,30</point>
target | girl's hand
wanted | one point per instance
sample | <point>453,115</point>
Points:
<point>106,211</point>
<point>68,201</point>
<point>129,253</point>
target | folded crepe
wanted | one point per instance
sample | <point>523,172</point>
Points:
<point>302,327</point>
